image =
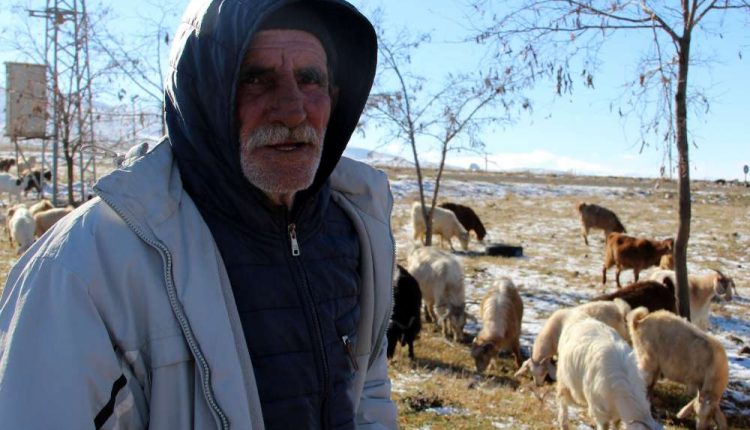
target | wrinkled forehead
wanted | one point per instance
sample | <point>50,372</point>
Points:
<point>285,45</point>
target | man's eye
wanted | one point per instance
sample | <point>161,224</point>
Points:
<point>249,80</point>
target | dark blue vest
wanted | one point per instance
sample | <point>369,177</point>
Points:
<point>299,313</point>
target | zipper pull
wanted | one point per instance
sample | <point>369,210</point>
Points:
<point>293,238</point>
<point>349,351</point>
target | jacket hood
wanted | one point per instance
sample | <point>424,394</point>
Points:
<point>201,87</point>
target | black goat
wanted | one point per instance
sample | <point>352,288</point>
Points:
<point>405,324</point>
<point>467,217</point>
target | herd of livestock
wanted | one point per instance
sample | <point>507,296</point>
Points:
<point>605,355</point>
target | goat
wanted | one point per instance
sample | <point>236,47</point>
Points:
<point>668,346</point>
<point>702,288</point>
<point>595,216</point>
<point>405,323</point>
<point>7,163</point>
<point>35,180</point>
<point>12,185</point>
<point>468,218</point>
<point>626,252</point>
<point>41,205</point>
<point>441,280</point>
<point>21,226</point>
<point>46,219</point>
<point>502,312</point>
<point>651,294</point>
<point>444,223</point>
<point>597,368</point>
<point>545,345</point>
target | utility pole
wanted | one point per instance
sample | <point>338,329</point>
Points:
<point>67,57</point>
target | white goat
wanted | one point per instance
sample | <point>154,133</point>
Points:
<point>441,280</point>
<point>668,346</point>
<point>21,226</point>
<point>13,185</point>
<point>597,369</point>
<point>444,223</point>
<point>545,345</point>
<point>501,312</point>
<point>702,289</point>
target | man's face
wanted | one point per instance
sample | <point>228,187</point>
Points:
<point>283,107</point>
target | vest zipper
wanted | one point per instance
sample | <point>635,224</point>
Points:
<point>292,229</point>
<point>349,351</point>
<point>317,326</point>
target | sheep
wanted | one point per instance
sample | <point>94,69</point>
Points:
<point>405,323</point>
<point>35,180</point>
<point>41,205</point>
<point>702,288</point>
<point>666,262</point>
<point>501,312</point>
<point>545,345</point>
<point>468,218</point>
<point>46,219</point>
<point>626,252</point>
<point>668,346</point>
<point>596,368</point>
<point>441,281</point>
<point>444,223</point>
<point>13,185</point>
<point>651,294</point>
<point>8,215</point>
<point>21,226</point>
<point>595,216</point>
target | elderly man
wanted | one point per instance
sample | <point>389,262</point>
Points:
<point>236,276</point>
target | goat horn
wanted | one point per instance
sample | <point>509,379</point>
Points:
<point>719,272</point>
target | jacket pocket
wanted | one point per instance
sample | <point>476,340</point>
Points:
<point>346,330</point>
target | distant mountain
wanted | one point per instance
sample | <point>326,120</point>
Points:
<point>376,158</point>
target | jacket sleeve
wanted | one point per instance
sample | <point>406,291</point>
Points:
<point>376,410</point>
<point>58,365</point>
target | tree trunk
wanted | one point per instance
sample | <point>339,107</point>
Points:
<point>683,228</point>
<point>69,164</point>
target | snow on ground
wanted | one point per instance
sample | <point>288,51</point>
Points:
<point>544,290</point>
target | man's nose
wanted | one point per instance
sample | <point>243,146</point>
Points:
<point>288,106</point>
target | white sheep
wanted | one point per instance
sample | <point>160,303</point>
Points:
<point>441,280</point>
<point>46,219</point>
<point>13,185</point>
<point>670,347</point>
<point>501,312</point>
<point>702,288</point>
<point>597,369</point>
<point>444,223</point>
<point>545,345</point>
<point>21,226</point>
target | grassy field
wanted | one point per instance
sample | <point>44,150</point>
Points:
<point>441,389</point>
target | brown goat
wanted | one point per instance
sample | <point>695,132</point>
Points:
<point>652,295</point>
<point>627,252</point>
<point>595,216</point>
<point>468,218</point>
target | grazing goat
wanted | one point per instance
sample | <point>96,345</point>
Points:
<point>6,164</point>
<point>12,185</point>
<point>626,252</point>
<point>667,262</point>
<point>405,323</point>
<point>651,294</point>
<point>501,312</point>
<point>702,288</point>
<point>35,180</point>
<point>46,219</point>
<point>595,216</point>
<point>21,226</point>
<point>597,369</point>
<point>40,206</point>
<point>668,346</point>
<point>468,218</point>
<point>444,223</point>
<point>545,345</point>
<point>441,280</point>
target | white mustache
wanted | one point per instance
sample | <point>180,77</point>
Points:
<point>273,135</point>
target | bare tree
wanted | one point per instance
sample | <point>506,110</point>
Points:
<point>449,115</point>
<point>573,27</point>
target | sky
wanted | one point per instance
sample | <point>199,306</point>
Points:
<point>574,133</point>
